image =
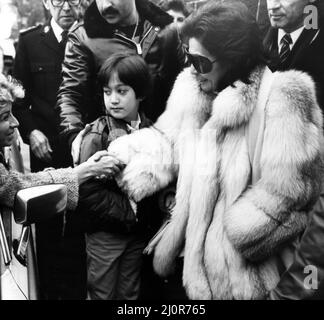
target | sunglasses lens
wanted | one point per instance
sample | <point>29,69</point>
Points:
<point>200,63</point>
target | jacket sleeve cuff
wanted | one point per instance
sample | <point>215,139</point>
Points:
<point>69,178</point>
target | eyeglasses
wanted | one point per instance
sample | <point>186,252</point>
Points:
<point>60,3</point>
<point>201,64</point>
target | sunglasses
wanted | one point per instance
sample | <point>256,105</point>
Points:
<point>201,64</point>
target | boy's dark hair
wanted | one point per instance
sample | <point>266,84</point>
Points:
<point>176,5</point>
<point>229,32</point>
<point>131,69</point>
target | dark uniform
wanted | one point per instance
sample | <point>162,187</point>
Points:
<point>37,65</point>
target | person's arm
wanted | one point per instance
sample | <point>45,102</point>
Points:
<point>150,164</point>
<point>175,58</point>
<point>273,211</point>
<point>100,163</point>
<point>77,75</point>
<point>12,181</point>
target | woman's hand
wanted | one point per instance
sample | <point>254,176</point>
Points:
<point>98,165</point>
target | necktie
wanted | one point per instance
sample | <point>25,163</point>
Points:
<point>285,47</point>
<point>64,35</point>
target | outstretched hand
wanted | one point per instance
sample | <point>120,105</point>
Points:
<point>106,165</point>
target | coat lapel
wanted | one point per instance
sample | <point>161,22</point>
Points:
<point>49,39</point>
<point>301,45</point>
<point>298,50</point>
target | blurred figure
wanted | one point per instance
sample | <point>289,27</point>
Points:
<point>83,7</point>
<point>38,62</point>
<point>1,60</point>
<point>177,9</point>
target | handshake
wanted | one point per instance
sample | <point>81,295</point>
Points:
<point>108,165</point>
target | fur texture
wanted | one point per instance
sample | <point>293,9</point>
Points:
<point>232,232</point>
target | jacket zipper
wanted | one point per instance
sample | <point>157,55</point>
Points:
<point>137,45</point>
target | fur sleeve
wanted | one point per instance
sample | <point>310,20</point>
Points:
<point>151,154</point>
<point>274,210</point>
<point>149,158</point>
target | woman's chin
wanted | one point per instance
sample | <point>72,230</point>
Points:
<point>205,87</point>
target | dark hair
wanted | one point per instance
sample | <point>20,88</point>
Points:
<point>131,69</point>
<point>176,5</point>
<point>229,32</point>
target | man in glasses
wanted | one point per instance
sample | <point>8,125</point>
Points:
<point>38,63</point>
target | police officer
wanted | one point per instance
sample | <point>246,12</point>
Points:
<point>39,56</point>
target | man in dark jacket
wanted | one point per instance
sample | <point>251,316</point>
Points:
<point>305,36</point>
<point>39,56</point>
<point>304,50</point>
<point>109,27</point>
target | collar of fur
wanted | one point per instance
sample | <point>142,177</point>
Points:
<point>97,27</point>
<point>231,108</point>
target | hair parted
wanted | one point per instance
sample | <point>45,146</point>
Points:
<point>131,69</point>
<point>228,31</point>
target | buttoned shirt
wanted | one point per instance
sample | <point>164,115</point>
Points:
<point>294,37</point>
<point>58,30</point>
<point>135,125</point>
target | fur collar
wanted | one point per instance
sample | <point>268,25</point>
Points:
<point>97,27</point>
<point>231,108</point>
<point>235,104</point>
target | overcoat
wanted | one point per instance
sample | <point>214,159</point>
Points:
<point>231,230</point>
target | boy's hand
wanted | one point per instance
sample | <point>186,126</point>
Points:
<point>106,165</point>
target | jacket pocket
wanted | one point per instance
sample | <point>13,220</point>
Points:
<point>46,78</point>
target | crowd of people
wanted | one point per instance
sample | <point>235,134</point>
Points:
<point>190,141</point>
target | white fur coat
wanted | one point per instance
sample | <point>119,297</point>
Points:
<point>231,231</point>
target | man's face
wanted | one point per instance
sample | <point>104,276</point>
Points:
<point>287,14</point>
<point>178,17</point>
<point>64,15</point>
<point>116,11</point>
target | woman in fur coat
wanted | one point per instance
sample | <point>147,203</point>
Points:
<point>244,146</point>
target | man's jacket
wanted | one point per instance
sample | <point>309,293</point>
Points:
<point>91,42</point>
<point>306,55</point>
<point>38,66</point>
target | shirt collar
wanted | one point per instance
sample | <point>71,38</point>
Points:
<point>135,125</point>
<point>58,30</point>
<point>294,36</point>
